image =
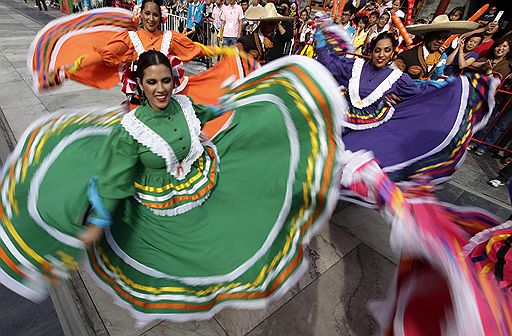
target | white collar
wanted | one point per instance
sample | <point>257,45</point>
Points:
<point>262,39</point>
<point>425,52</point>
<point>354,83</point>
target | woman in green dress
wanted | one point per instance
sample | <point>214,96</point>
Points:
<point>189,225</point>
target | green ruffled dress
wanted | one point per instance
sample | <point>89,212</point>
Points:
<point>198,225</point>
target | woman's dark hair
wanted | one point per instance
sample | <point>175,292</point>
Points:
<point>374,13</point>
<point>385,13</point>
<point>476,35</point>
<point>382,36</point>
<point>459,9</point>
<point>362,18</point>
<point>492,51</point>
<point>149,58</point>
<point>157,2</point>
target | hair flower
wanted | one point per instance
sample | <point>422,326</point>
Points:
<point>136,14</point>
<point>165,14</point>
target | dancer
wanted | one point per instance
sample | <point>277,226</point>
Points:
<point>91,46</point>
<point>182,239</point>
<point>441,286</point>
<point>410,127</point>
<point>98,42</point>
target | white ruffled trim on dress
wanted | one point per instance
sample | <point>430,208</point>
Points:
<point>166,42</point>
<point>139,47</point>
<point>156,144</point>
<point>483,236</point>
<point>353,85</point>
<point>137,43</point>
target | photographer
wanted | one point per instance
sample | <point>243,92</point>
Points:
<point>267,42</point>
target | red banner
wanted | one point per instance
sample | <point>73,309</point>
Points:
<point>408,17</point>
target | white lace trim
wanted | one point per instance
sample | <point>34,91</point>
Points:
<point>156,144</point>
<point>166,42</point>
<point>353,85</point>
<point>194,127</point>
<point>139,47</point>
<point>137,43</point>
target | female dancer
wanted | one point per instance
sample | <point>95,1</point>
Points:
<point>182,236</point>
<point>453,260</point>
<point>102,42</point>
<point>409,126</point>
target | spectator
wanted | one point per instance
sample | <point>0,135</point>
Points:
<point>370,7</point>
<point>246,24</point>
<point>373,17</point>
<point>503,177</point>
<point>244,4</point>
<point>209,5</point>
<point>346,20</point>
<point>284,10</point>
<point>194,19</point>
<point>216,22</point>
<point>267,42</point>
<point>293,9</point>
<point>463,55</point>
<point>305,28</point>
<point>395,8</point>
<point>231,27</point>
<point>255,3</point>
<point>498,60</point>
<point>41,2</point>
<point>378,28</point>
<point>456,14</point>
<point>360,35</point>
<point>309,10</point>
<point>487,41</point>
<point>489,16</point>
<point>498,63</point>
<point>426,61</point>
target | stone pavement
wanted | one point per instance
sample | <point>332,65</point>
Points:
<point>350,259</point>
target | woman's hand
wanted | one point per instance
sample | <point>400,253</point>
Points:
<point>90,234</point>
<point>461,42</point>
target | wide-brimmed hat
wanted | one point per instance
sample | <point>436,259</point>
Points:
<point>267,13</point>
<point>442,23</point>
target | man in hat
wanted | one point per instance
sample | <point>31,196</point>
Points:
<point>425,61</point>
<point>267,42</point>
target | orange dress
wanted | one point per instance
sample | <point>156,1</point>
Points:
<point>100,68</point>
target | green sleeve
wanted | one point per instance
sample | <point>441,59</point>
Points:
<point>204,113</point>
<point>118,169</point>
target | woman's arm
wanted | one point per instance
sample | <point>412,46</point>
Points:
<point>115,52</point>
<point>184,48</point>
<point>451,57</point>
<point>340,68</point>
<point>118,170</point>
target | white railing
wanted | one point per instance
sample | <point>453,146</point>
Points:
<point>206,34</point>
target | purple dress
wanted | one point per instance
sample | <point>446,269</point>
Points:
<point>415,129</point>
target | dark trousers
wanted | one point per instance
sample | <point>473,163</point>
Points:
<point>43,2</point>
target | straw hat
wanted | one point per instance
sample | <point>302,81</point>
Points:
<point>267,13</point>
<point>442,23</point>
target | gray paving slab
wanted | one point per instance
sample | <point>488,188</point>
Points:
<point>368,226</point>
<point>329,246</point>
<point>335,304</point>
